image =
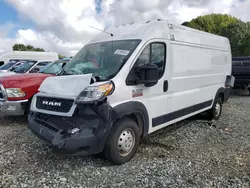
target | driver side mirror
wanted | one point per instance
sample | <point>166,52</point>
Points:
<point>147,74</point>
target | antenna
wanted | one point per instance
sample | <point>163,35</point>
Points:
<point>102,31</point>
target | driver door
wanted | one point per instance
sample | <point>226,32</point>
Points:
<point>154,98</point>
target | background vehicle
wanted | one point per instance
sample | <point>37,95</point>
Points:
<point>31,66</point>
<point>17,90</point>
<point>11,65</point>
<point>5,57</point>
<point>241,72</point>
<point>125,85</point>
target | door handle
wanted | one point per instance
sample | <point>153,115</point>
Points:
<point>165,86</point>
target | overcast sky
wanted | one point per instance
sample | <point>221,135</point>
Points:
<point>63,25</point>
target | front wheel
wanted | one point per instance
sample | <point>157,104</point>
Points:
<point>122,142</point>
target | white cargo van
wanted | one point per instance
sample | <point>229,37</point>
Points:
<point>128,82</point>
<point>5,57</point>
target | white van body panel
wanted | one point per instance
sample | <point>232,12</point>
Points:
<point>196,67</point>
<point>197,64</point>
<point>7,56</point>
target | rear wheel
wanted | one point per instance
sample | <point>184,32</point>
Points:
<point>122,142</point>
<point>215,112</point>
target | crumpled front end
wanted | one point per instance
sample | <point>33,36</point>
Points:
<point>84,133</point>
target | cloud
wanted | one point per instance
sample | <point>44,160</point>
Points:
<point>6,28</point>
<point>63,25</point>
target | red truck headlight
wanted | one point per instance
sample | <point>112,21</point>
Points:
<point>15,92</point>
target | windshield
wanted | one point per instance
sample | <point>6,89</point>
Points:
<point>7,66</point>
<point>54,67</point>
<point>103,59</point>
<point>24,67</point>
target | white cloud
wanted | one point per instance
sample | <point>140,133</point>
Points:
<point>63,25</point>
<point>5,29</point>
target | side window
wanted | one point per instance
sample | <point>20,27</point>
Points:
<point>144,58</point>
<point>154,53</point>
<point>38,67</point>
<point>42,64</point>
<point>158,56</point>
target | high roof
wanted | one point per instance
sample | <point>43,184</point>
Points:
<point>162,29</point>
<point>139,30</point>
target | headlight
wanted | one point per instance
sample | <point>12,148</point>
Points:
<point>95,92</point>
<point>15,92</point>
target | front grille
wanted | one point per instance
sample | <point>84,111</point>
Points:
<point>54,104</point>
<point>56,123</point>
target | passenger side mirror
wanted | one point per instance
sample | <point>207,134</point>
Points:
<point>147,74</point>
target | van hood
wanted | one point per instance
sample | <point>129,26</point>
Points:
<point>70,85</point>
<point>17,80</point>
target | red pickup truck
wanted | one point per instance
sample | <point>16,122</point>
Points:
<point>16,91</point>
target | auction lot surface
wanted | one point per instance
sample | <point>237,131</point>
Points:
<point>189,154</point>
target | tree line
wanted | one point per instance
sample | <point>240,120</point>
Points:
<point>237,31</point>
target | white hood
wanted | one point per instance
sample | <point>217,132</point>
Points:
<point>71,85</point>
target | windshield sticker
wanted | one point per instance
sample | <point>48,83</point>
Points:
<point>122,52</point>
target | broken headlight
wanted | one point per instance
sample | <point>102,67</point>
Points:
<point>96,92</point>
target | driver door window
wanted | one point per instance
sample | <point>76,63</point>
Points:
<point>154,53</point>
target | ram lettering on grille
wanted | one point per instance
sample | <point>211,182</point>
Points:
<point>54,104</point>
<point>49,103</point>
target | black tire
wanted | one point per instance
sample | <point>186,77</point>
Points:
<point>213,113</point>
<point>112,151</point>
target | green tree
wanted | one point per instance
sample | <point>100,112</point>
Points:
<point>22,47</point>
<point>246,46</point>
<point>238,34</point>
<point>19,47</point>
<point>30,48</point>
<point>212,23</point>
<point>39,50</point>
<point>235,30</point>
<point>61,56</point>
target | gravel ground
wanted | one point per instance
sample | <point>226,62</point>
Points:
<point>188,154</point>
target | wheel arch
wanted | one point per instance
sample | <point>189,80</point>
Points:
<point>136,111</point>
<point>221,93</point>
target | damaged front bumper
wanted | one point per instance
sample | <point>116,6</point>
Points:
<point>84,133</point>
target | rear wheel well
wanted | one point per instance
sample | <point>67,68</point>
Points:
<point>221,95</point>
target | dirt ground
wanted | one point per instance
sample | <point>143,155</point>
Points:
<point>191,153</point>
